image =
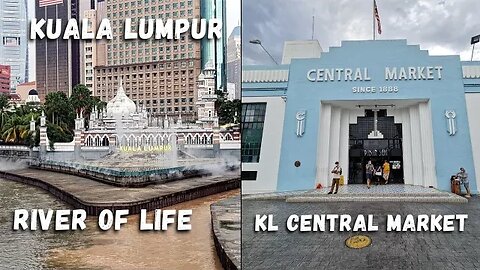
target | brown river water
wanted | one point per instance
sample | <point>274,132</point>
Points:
<point>93,248</point>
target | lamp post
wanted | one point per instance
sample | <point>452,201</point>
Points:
<point>258,42</point>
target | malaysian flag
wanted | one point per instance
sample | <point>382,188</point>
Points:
<point>45,3</point>
<point>377,17</point>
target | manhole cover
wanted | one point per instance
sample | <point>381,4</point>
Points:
<point>358,241</point>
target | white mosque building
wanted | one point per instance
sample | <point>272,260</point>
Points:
<point>124,126</point>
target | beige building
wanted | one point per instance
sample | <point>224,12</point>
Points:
<point>167,87</point>
<point>23,89</point>
<point>92,52</point>
<point>159,75</point>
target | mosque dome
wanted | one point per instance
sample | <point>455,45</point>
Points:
<point>120,105</point>
<point>33,92</point>
<point>32,96</point>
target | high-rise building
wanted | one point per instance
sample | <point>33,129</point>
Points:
<point>57,60</point>
<point>159,75</point>
<point>234,60</point>
<point>13,38</point>
<point>4,79</point>
<point>92,52</point>
<point>213,50</point>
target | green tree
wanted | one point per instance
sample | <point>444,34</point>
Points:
<point>58,133</point>
<point>4,106</point>
<point>81,99</point>
<point>16,129</point>
<point>228,111</point>
<point>58,109</point>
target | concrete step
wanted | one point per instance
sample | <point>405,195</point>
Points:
<point>450,198</point>
<point>377,194</point>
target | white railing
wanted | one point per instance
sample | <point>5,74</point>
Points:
<point>15,147</point>
<point>62,147</point>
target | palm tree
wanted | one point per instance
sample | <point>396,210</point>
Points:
<point>16,129</point>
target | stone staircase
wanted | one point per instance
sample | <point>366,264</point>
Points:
<point>360,193</point>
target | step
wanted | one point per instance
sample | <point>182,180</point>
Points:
<point>451,198</point>
<point>377,194</point>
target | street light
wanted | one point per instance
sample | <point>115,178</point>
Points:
<point>258,42</point>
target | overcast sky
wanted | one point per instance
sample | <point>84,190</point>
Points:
<point>233,15</point>
<point>444,27</point>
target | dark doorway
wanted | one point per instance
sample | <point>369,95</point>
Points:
<point>362,149</point>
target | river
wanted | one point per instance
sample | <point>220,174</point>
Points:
<point>92,248</point>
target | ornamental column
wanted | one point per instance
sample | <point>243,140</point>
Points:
<point>323,148</point>
<point>43,137</point>
<point>216,141</point>
<point>428,163</point>
<point>33,133</point>
<point>78,134</point>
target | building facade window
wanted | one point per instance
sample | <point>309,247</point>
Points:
<point>253,117</point>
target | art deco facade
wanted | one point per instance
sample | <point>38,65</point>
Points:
<point>159,75</point>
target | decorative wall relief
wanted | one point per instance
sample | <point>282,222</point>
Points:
<point>300,116</point>
<point>451,122</point>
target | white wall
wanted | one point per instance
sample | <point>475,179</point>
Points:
<point>473,111</point>
<point>270,149</point>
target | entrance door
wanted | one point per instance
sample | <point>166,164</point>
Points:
<point>362,148</point>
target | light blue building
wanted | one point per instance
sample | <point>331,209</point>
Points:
<point>13,39</point>
<point>214,50</point>
<point>365,100</point>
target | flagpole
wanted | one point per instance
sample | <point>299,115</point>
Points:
<point>373,18</point>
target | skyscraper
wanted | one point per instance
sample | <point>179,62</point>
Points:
<point>13,38</point>
<point>213,50</point>
<point>233,60</point>
<point>159,75</point>
<point>92,52</point>
<point>57,60</point>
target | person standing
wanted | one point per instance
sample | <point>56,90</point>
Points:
<point>336,172</point>
<point>369,169</point>
<point>463,177</point>
<point>386,171</point>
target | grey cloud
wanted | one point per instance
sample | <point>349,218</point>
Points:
<point>436,25</point>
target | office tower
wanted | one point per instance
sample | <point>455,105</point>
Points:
<point>213,50</point>
<point>57,60</point>
<point>234,60</point>
<point>13,38</point>
<point>92,52</point>
<point>158,75</point>
<point>5,79</point>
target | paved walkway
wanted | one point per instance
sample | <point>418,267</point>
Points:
<point>91,191</point>
<point>359,193</point>
<point>226,225</point>
<point>92,194</point>
<point>389,250</point>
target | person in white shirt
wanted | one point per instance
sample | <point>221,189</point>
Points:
<point>336,172</point>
